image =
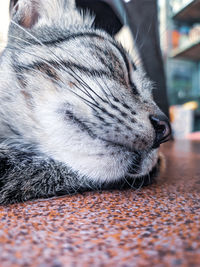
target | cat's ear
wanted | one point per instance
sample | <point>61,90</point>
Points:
<point>27,12</point>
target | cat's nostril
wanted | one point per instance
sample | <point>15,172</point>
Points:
<point>162,129</point>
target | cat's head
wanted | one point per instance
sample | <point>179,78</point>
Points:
<point>76,93</point>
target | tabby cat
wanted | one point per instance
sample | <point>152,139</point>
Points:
<point>75,112</point>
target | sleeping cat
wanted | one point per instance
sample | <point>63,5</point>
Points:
<point>75,112</point>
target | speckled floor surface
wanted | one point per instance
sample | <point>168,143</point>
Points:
<point>156,226</point>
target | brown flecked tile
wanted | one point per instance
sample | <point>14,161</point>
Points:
<point>156,226</point>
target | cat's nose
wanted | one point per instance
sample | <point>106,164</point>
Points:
<point>162,129</point>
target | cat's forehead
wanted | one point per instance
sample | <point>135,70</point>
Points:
<point>66,37</point>
<point>93,55</point>
<point>83,49</point>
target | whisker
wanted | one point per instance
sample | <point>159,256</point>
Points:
<point>27,32</point>
<point>56,57</point>
<point>127,182</point>
<point>101,87</point>
<point>142,183</point>
<point>87,102</point>
<point>18,38</point>
<point>84,84</point>
<point>73,74</point>
<point>54,80</point>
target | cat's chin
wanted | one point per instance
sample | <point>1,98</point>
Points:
<point>137,181</point>
<point>149,177</point>
<point>156,167</point>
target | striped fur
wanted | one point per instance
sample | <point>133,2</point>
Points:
<point>74,109</point>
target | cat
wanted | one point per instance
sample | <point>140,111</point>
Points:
<point>76,113</point>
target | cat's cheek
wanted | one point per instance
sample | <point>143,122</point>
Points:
<point>97,168</point>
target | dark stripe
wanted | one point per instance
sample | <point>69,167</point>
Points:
<point>133,86</point>
<point>79,123</point>
<point>12,129</point>
<point>134,89</point>
<point>123,53</point>
<point>61,65</point>
<point>70,37</point>
<point>81,68</point>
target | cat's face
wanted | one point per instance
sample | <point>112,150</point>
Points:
<point>83,101</point>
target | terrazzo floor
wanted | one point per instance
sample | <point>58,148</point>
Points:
<point>158,225</point>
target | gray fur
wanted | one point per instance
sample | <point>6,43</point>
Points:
<point>26,174</point>
<point>74,111</point>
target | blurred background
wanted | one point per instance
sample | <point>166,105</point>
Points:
<point>165,36</point>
